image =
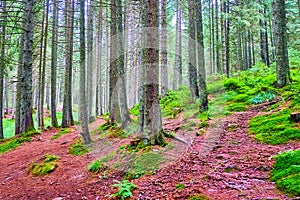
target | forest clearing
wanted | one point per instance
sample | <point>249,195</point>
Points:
<point>166,99</point>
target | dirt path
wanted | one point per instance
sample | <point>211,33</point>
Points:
<point>224,163</point>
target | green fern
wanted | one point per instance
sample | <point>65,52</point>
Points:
<point>124,189</point>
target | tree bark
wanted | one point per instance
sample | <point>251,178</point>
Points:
<point>82,97</point>
<point>54,63</point>
<point>26,121</point>
<point>178,49</point>
<point>201,62</point>
<point>99,63</point>
<point>217,38</point>
<point>192,69</point>
<point>282,59</point>
<point>152,128</point>
<point>164,50</point>
<point>2,67</point>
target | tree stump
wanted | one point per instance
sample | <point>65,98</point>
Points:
<point>295,117</point>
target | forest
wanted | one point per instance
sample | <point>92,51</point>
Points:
<point>145,99</point>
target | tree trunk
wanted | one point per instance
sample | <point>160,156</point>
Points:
<point>90,62</point>
<point>82,96</point>
<point>282,60</point>
<point>164,50</point>
<point>193,79</point>
<point>54,63</point>
<point>124,111</point>
<point>99,63</point>
<point>217,38</point>
<point>114,107</point>
<point>201,61</point>
<point>26,121</point>
<point>2,67</point>
<point>178,49</point>
<point>264,53</point>
<point>152,128</point>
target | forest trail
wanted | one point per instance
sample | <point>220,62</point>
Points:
<point>224,163</point>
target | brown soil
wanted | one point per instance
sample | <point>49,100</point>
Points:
<point>222,164</point>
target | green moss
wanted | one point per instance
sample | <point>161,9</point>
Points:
<point>180,186</point>
<point>12,143</point>
<point>286,172</point>
<point>78,148</point>
<point>135,110</point>
<point>275,128</point>
<point>47,166</point>
<point>95,166</point>
<point>144,164</point>
<point>236,107</point>
<point>199,197</point>
<point>63,131</point>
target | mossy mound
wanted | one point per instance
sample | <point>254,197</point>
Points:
<point>78,148</point>
<point>47,166</point>
<point>286,172</point>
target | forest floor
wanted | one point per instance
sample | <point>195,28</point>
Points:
<point>223,163</point>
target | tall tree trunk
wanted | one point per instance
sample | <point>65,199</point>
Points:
<point>164,50</point>
<point>201,61</point>
<point>43,73</point>
<point>178,49</point>
<point>54,63</point>
<point>213,37</point>
<point>152,128</point>
<point>67,117</point>
<point>249,49</point>
<point>217,38</point>
<point>193,79</point>
<point>26,121</point>
<point>99,63</point>
<point>2,67</point>
<point>124,111</point>
<point>211,69</point>
<point>90,62</point>
<point>82,96</point>
<point>239,49</point>
<point>253,49</point>
<point>264,52</point>
<point>282,59</point>
<point>114,107</point>
<point>227,38</point>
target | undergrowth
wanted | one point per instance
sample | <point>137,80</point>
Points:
<point>78,148</point>
<point>124,189</point>
<point>286,172</point>
<point>47,166</point>
<point>12,143</point>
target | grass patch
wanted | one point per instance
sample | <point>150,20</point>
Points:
<point>145,163</point>
<point>47,166</point>
<point>236,107</point>
<point>60,133</point>
<point>275,128</point>
<point>286,172</point>
<point>12,143</point>
<point>78,148</point>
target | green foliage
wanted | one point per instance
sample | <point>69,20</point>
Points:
<point>47,166</point>
<point>135,110</point>
<point>231,84</point>
<point>170,104</point>
<point>275,128</point>
<point>95,166</point>
<point>124,189</point>
<point>144,163</point>
<point>63,131</point>
<point>199,197</point>
<point>78,148</point>
<point>237,107</point>
<point>262,97</point>
<point>180,186</point>
<point>286,172</point>
<point>13,143</point>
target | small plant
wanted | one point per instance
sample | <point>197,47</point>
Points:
<point>95,166</point>
<point>124,189</point>
<point>78,148</point>
<point>262,97</point>
<point>180,186</point>
<point>47,166</point>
